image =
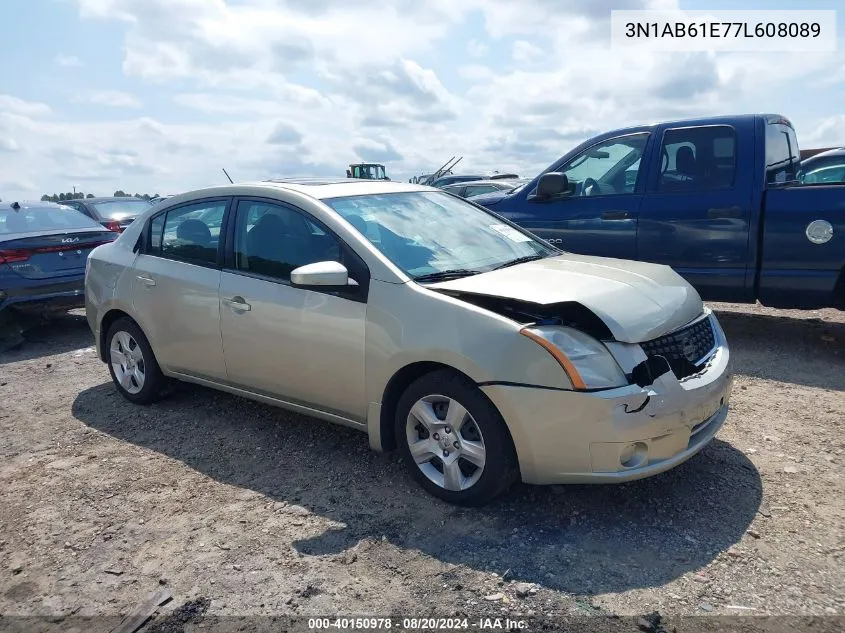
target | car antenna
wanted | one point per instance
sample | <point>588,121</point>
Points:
<point>228,176</point>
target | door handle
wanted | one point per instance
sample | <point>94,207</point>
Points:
<point>147,281</point>
<point>726,212</point>
<point>615,215</point>
<point>238,303</point>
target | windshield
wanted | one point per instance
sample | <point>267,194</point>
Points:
<point>121,208</point>
<point>431,232</point>
<point>33,219</point>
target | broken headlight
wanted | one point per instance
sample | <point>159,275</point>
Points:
<point>586,361</point>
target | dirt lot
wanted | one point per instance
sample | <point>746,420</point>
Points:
<point>238,508</point>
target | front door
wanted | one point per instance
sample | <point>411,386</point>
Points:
<point>303,346</point>
<point>175,286</point>
<point>696,213</point>
<point>599,217</point>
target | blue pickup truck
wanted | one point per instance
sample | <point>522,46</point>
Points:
<point>717,199</point>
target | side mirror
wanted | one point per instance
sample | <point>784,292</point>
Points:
<point>552,185</point>
<point>321,275</point>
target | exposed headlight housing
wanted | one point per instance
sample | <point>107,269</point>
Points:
<point>586,361</point>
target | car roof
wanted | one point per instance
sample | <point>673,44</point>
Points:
<point>323,188</point>
<point>475,183</point>
<point>837,151</point>
<point>111,199</point>
<point>32,204</point>
<point>314,188</point>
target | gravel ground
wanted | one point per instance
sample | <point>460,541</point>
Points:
<point>239,508</point>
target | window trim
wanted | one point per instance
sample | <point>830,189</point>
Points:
<point>146,234</point>
<point>358,267</point>
<point>654,180</point>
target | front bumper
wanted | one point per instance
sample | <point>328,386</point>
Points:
<point>619,434</point>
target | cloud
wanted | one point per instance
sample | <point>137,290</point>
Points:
<point>403,94</point>
<point>377,151</point>
<point>67,61</point>
<point>285,134</point>
<point>523,51</point>
<point>114,99</point>
<point>14,105</point>
<point>8,144</point>
<point>476,49</point>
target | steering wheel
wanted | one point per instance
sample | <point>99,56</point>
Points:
<point>589,187</point>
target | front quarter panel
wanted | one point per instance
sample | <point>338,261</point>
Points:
<point>407,323</point>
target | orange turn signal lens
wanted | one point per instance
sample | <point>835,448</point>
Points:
<point>559,356</point>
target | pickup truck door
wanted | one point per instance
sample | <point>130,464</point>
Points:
<point>803,247</point>
<point>599,216</point>
<point>696,212</point>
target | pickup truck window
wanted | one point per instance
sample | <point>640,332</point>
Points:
<point>607,168</point>
<point>698,159</point>
<point>782,154</point>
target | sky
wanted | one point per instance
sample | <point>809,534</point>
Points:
<point>157,96</point>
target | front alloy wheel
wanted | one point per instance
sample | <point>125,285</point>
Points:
<point>445,442</point>
<point>453,440</point>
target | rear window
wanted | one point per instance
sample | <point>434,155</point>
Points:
<point>113,209</point>
<point>782,154</point>
<point>28,219</point>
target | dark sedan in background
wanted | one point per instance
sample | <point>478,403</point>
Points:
<point>479,187</point>
<point>113,213</point>
<point>43,250</point>
<point>454,179</point>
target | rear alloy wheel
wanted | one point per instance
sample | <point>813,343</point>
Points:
<point>454,440</point>
<point>132,365</point>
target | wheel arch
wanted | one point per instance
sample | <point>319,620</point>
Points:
<point>109,318</point>
<point>397,385</point>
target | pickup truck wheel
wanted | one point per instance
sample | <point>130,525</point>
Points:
<point>453,440</point>
<point>132,364</point>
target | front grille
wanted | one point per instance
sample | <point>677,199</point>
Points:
<point>684,349</point>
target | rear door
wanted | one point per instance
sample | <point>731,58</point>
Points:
<point>600,215</point>
<point>175,287</point>
<point>697,209</point>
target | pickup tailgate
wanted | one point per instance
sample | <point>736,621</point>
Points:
<point>796,270</point>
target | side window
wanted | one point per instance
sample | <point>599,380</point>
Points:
<point>477,191</point>
<point>272,240</point>
<point>782,154</point>
<point>697,159</point>
<point>826,174</point>
<point>607,168</point>
<point>190,233</point>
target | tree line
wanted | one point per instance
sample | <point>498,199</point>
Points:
<point>79,195</point>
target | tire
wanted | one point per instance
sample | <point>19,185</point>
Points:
<point>125,333</point>
<point>441,448</point>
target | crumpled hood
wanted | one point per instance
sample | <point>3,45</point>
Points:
<point>636,300</point>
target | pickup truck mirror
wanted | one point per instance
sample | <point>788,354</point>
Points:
<point>551,185</point>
